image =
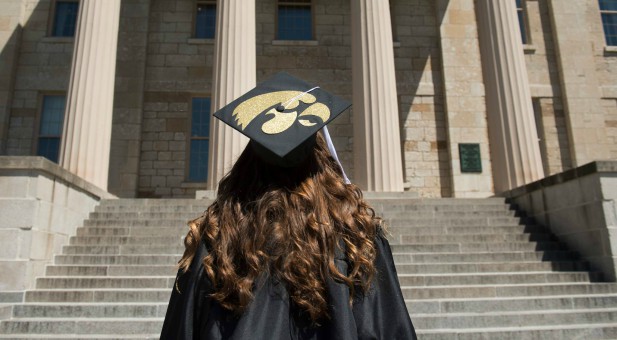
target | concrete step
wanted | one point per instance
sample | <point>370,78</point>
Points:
<point>478,238</point>
<point>505,290</point>
<point>90,310</point>
<point>176,239</point>
<point>483,257</point>
<point>82,282</point>
<point>525,303</point>
<point>118,259</point>
<point>561,331</point>
<point>406,239</point>
<point>515,318</point>
<point>82,336</point>
<point>111,270</point>
<point>169,231</point>
<point>82,326</point>
<point>496,278</point>
<point>154,202</point>
<point>179,231</point>
<point>119,282</point>
<point>503,267</point>
<point>398,234</point>
<point>189,215</point>
<point>474,247</point>
<point>123,249</point>
<point>136,223</point>
<point>409,221</point>
<point>125,295</point>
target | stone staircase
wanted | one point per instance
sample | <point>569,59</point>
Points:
<point>469,269</point>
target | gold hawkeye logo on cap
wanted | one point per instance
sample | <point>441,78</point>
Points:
<point>279,102</point>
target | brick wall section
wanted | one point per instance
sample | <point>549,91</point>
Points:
<point>553,135</point>
<point>128,98</point>
<point>418,74</point>
<point>10,37</point>
<point>177,68</point>
<point>44,66</point>
<point>610,105</point>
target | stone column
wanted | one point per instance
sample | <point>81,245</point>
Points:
<point>578,37</point>
<point>513,136</point>
<point>86,138</point>
<point>234,74</point>
<point>377,143</point>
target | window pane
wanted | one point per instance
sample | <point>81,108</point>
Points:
<point>49,148</point>
<point>52,116</point>
<point>518,4</point>
<point>198,169</point>
<point>200,123</point>
<point>65,19</point>
<point>608,5</point>
<point>609,22</point>
<point>205,21</point>
<point>295,23</point>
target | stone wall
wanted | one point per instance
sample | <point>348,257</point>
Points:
<point>553,135</point>
<point>43,67</point>
<point>41,206</point>
<point>579,206</point>
<point>129,98</point>
<point>610,105</point>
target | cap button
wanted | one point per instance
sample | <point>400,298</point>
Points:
<point>280,108</point>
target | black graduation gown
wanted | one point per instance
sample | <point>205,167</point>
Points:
<point>379,314</point>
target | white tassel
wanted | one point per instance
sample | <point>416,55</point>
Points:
<point>333,152</point>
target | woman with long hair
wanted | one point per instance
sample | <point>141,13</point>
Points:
<point>288,250</point>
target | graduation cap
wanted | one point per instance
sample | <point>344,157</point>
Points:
<point>281,116</point>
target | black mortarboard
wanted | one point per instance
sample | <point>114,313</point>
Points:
<point>281,113</point>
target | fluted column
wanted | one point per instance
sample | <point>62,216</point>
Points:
<point>87,125</point>
<point>234,74</point>
<point>513,136</point>
<point>377,142</point>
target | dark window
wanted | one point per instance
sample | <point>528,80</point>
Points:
<point>200,132</point>
<point>608,10</point>
<point>205,20</point>
<point>65,18</point>
<point>522,19</point>
<point>295,20</point>
<point>50,129</point>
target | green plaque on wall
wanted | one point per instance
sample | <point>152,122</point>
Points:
<point>469,155</point>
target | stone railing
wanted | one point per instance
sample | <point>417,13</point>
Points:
<point>41,206</point>
<point>578,206</point>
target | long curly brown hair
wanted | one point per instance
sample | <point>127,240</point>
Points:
<point>288,223</point>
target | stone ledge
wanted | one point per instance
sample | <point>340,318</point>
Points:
<point>41,164</point>
<point>295,42</point>
<point>568,175</point>
<point>578,206</point>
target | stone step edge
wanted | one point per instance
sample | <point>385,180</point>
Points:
<point>544,284</point>
<point>518,312</point>
<point>78,319</point>
<point>124,277</point>
<point>508,298</point>
<point>496,273</point>
<point>515,328</point>
<point>80,336</point>
<point>514,252</point>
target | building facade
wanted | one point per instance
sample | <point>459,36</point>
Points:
<point>451,98</point>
